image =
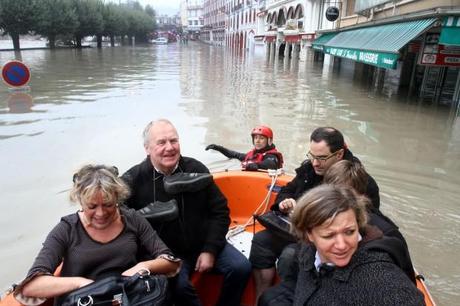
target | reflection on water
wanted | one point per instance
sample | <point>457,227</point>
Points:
<point>19,102</point>
<point>91,106</point>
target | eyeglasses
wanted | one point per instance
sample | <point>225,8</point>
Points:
<point>321,159</point>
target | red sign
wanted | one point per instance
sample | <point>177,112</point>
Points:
<point>435,54</point>
<point>292,38</point>
<point>15,74</point>
<point>270,38</point>
<point>308,36</point>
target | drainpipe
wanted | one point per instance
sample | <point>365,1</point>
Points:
<point>321,11</point>
<point>340,14</point>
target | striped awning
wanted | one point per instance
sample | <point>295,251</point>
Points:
<point>450,33</point>
<point>320,41</point>
<point>376,45</point>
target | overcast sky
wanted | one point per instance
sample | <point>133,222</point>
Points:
<point>169,7</point>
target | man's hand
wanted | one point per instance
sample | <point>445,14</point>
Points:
<point>287,205</point>
<point>251,167</point>
<point>211,147</point>
<point>205,262</point>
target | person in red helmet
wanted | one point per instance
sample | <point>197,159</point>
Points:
<point>264,155</point>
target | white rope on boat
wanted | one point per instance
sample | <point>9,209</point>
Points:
<point>235,230</point>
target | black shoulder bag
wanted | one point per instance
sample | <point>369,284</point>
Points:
<point>141,289</point>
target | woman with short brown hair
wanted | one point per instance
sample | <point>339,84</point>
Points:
<point>342,260</point>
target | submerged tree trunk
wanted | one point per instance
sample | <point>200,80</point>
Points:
<point>99,40</point>
<point>15,38</point>
<point>78,41</point>
<point>52,41</point>
<point>131,40</point>
<point>112,40</point>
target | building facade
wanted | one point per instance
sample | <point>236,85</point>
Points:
<point>402,46</point>
<point>164,21</point>
<point>192,18</point>
<point>213,30</point>
<point>405,47</point>
<point>241,24</point>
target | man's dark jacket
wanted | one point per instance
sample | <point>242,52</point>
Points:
<point>203,215</point>
<point>306,178</point>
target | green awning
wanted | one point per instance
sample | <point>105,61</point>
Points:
<point>377,45</point>
<point>320,41</point>
<point>450,33</point>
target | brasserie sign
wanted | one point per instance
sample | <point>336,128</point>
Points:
<point>379,59</point>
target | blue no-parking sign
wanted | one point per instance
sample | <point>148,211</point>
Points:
<point>15,74</point>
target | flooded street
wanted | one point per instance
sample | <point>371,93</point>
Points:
<point>91,106</point>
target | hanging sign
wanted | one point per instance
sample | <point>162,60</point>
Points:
<point>15,74</point>
<point>332,13</point>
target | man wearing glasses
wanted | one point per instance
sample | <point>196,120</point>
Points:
<point>327,146</point>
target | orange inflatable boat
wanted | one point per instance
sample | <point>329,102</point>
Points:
<point>247,193</point>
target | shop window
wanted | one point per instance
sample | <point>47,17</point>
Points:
<point>300,24</point>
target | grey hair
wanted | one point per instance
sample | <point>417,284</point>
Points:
<point>146,132</point>
<point>91,179</point>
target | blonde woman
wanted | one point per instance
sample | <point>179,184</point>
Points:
<point>101,239</point>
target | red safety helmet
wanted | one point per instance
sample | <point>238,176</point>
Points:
<point>262,130</point>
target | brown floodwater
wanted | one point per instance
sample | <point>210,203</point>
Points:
<point>91,105</point>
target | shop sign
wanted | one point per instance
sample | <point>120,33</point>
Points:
<point>450,32</point>
<point>332,13</point>
<point>435,54</point>
<point>317,47</point>
<point>379,59</point>
<point>292,38</point>
<point>308,37</point>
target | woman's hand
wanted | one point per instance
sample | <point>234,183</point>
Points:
<point>84,281</point>
<point>137,268</point>
<point>48,286</point>
<point>287,205</point>
<point>158,265</point>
